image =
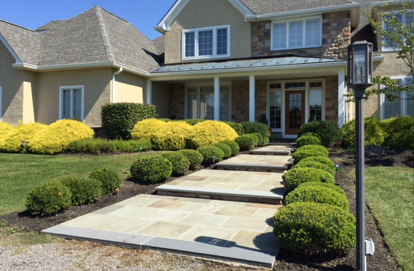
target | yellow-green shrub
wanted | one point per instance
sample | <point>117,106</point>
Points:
<point>209,132</point>
<point>171,136</point>
<point>58,135</point>
<point>12,142</point>
<point>145,129</point>
<point>5,128</point>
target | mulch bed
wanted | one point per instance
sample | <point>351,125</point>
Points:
<point>382,259</point>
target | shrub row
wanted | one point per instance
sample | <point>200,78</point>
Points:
<point>100,145</point>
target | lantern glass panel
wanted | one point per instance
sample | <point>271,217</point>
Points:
<point>360,64</point>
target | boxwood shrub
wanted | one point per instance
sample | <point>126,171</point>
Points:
<point>297,176</point>
<point>318,195</point>
<point>180,163</point>
<point>254,137</point>
<point>225,148</point>
<point>110,179</point>
<point>307,140</point>
<point>236,126</point>
<point>256,127</point>
<point>151,169</point>
<point>209,132</point>
<point>172,136</point>
<point>314,164</point>
<point>49,199</point>
<point>83,190</point>
<point>318,148</point>
<point>373,133</point>
<point>307,226</point>
<point>235,149</point>
<point>325,185</point>
<point>193,156</point>
<point>320,159</point>
<point>118,119</point>
<point>328,132</point>
<point>245,142</point>
<point>260,140</point>
<point>302,154</point>
<point>208,152</point>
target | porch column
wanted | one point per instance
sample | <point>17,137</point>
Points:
<point>216,98</point>
<point>252,87</point>
<point>148,93</point>
<point>341,98</point>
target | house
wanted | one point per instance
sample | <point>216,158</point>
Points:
<point>218,59</point>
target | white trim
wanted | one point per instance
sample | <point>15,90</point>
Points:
<point>196,45</point>
<point>391,49</point>
<point>252,103</point>
<point>71,100</point>
<point>165,23</point>
<point>341,98</point>
<point>216,98</point>
<point>1,103</point>
<point>241,8</point>
<point>12,52</point>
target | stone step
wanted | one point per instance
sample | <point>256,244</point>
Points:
<point>253,162</point>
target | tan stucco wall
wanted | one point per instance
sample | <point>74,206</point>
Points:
<point>97,92</point>
<point>129,88</point>
<point>202,13</point>
<point>161,98</point>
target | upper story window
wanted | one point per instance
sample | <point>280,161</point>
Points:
<point>296,34</point>
<point>206,42</point>
<point>405,18</point>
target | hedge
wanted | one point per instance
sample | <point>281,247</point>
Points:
<point>297,176</point>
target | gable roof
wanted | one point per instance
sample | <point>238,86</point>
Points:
<point>94,38</point>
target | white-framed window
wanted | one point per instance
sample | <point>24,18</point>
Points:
<point>71,102</point>
<point>1,103</point>
<point>275,105</point>
<point>315,100</point>
<point>296,34</point>
<point>202,43</point>
<point>402,106</point>
<point>405,18</point>
<point>200,102</point>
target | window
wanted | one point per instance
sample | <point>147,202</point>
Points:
<point>206,42</point>
<point>315,101</point>
<point>275,106</point>
<point>200,102</point>
<point>71,102</point>
<point>403,105</point>
<point>297,34</point>
<point>404,18</point>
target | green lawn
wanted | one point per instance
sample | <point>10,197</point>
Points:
<point>19,173</point>
<point>389,192</point>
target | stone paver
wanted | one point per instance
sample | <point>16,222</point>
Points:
<point>285,149</point>
<point>256,162</point>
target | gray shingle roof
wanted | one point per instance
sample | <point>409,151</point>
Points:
<point>261,7</point>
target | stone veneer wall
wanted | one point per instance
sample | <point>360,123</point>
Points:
<point>336,36</point>
<point>331,99</point>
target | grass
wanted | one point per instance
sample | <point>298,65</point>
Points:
<point>389,193</point>
<point>19,173</point>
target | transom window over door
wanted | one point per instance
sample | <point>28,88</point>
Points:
<point>206,43</point>
<point>71,102</point>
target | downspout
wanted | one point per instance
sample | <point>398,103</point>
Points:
<point>114,84</point>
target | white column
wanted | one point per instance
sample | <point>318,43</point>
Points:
<point>252,87</point>
<point>341,98</point>
<point>216,98</point>
<point>148,93</point>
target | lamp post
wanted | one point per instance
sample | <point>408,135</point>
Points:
<point>359,78</point>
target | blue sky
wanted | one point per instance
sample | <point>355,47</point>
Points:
<point>143,14</point>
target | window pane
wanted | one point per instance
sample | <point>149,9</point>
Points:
<point>65,103</point>
<point>77,103</point>
<point>275,110</point>
<point>225,107</point>
<point>315,104</point>
<point>313,33</point>
<point>189,44</point>
<point>279,37</point>
<point>392,109</point>
<point>192,106</point>
<point>386,39</point>
<point>295,34</point>
<point>205,43</point>
<point>207,106</point>
<point>222,41</point>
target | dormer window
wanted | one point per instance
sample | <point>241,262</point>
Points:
<point>297,34</point>
<point>206,43</point>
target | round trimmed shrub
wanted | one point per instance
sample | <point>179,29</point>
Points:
<point>260,140</point>
<point>110,179</point>
<point>235,149</point>
<point>306,226</point>
<point>317,148</point>
<point>83,190</point>
<point>193,156</point>
<point>254,137</point>
<point>209,132</point>
<point>245,142</point>
<point>315,164</point>
<point>236,126</point>
<point>297,176</point>
<point>256,127</point>
<point>311,134</point>
<point>373,133</point>
<point>145,129</point>
<point>225,148</point>
<point>317,195</point>
<point>12,141</point>
<point>48,199</point>
<point>325,185</point>
<point>180,163</point>
<point>151,169</point>
<point>319,159</point>
<point>171,136</point>
<point>328,132</point>
<point>300,155</point>
<point>307,140</point>
<point>208,152</point>
<point>58,135</point>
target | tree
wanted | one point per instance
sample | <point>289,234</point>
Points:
<point>396,27</point>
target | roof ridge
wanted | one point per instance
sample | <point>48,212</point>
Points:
<point>24,28</point>
<point>104,34</point>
